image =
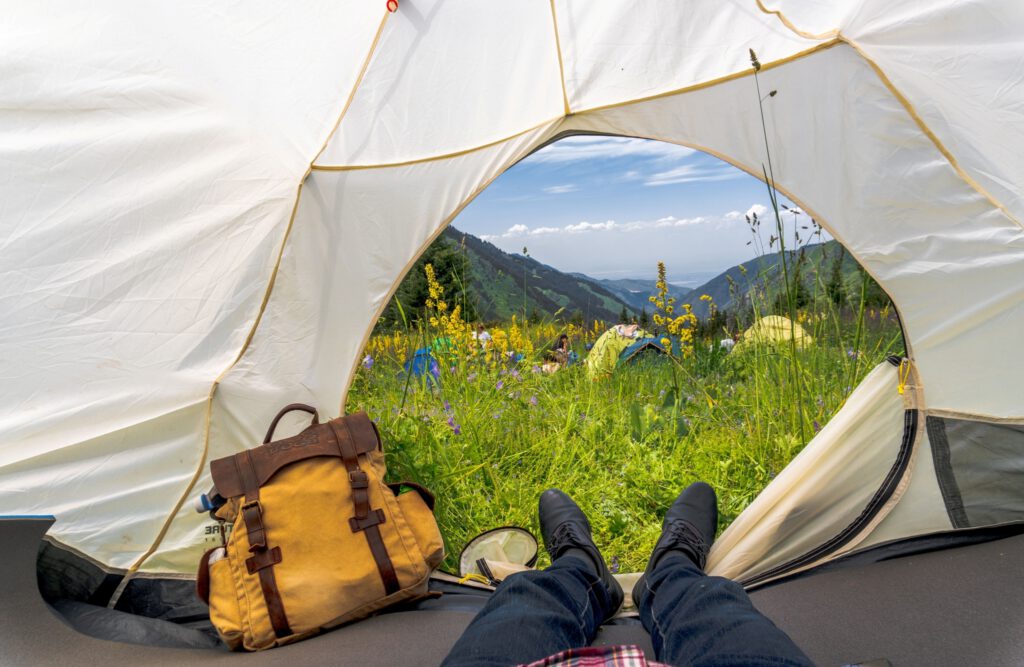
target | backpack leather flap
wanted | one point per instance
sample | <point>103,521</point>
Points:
<point>316,440</point>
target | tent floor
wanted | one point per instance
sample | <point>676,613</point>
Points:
<point>951,607</point>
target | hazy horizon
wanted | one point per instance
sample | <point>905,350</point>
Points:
<point>612,208</point>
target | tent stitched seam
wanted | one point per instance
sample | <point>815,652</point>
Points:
<point>561,65</point>
<point>434,158</point>
<point>923,126</point>
<point>903,100</point>
<point>669,93</point>
<point>255,326</point>
<point>789,24</point>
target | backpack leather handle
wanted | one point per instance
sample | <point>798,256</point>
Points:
<point>285,410</point>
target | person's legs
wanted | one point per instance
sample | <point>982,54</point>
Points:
<point>535,614</point>
<point>694,619</point>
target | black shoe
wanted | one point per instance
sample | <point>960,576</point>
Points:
<point>689,529</point>
<point>565,528</point>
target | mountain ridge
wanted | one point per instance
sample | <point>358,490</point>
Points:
<point>510,284</point>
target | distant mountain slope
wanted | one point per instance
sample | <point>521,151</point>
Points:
<point>766,272</point>
<point>635,291</point>
<point>504,284</point>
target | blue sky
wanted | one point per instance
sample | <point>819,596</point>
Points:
<point>612,207</point>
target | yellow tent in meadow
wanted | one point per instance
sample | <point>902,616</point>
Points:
<point>773,329</point>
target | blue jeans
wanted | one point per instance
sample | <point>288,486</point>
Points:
<point>693,619</point>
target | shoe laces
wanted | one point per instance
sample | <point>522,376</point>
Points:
<point>566,534</point>
<point>681,530</point>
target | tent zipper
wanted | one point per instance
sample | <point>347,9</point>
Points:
<point>882,495</point>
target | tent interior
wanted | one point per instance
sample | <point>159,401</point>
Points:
<point>882,603</point>
<point>227,219</point>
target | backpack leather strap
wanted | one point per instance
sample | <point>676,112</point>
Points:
<point>365,519</point>
<point>262,558</point>
<point>285,410</point>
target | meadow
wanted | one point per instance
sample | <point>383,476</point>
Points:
<point>488,430</point>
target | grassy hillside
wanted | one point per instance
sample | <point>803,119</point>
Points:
<point>488,432</point>
<point>760,281</point>
<point>504,285</point>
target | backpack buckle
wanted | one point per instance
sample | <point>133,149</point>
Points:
<point>358,479</point>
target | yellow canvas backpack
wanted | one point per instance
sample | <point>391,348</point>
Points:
<point>317,538</point>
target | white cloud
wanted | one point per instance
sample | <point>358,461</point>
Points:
<point>758,209</point>
<point>690,173</point>
<point>560,189</point>
<point>590,226</point>
<point>669,221</point>
<point>591,147</point>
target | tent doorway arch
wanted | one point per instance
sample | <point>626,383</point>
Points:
<point>852,520</point>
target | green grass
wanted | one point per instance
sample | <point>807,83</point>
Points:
<point>622,447</point>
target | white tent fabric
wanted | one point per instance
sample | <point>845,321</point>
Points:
<point>205,207</point>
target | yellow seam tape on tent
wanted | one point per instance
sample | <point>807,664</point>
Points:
<point>786,22</point>
<point>359,80</point>
<point>433,158</point>
<point>408,266</point>
<point>912,112</point>
<point>561,66</point>
<point>918,120</point>
<point>209,411</point>
<point>669,93</point>
<point>252,331</point>
<point>722,79</point>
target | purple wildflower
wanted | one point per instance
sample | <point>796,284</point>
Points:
<point>515,374</point>
<point>501,383</point>
<point>435,370</point>
<point>535,369</point>
<point>367,362</point>
<point>533,400</point>
<point>447,406</point>
<point>456,428</point>
<point>470,377</point>
<point>817,426</point>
